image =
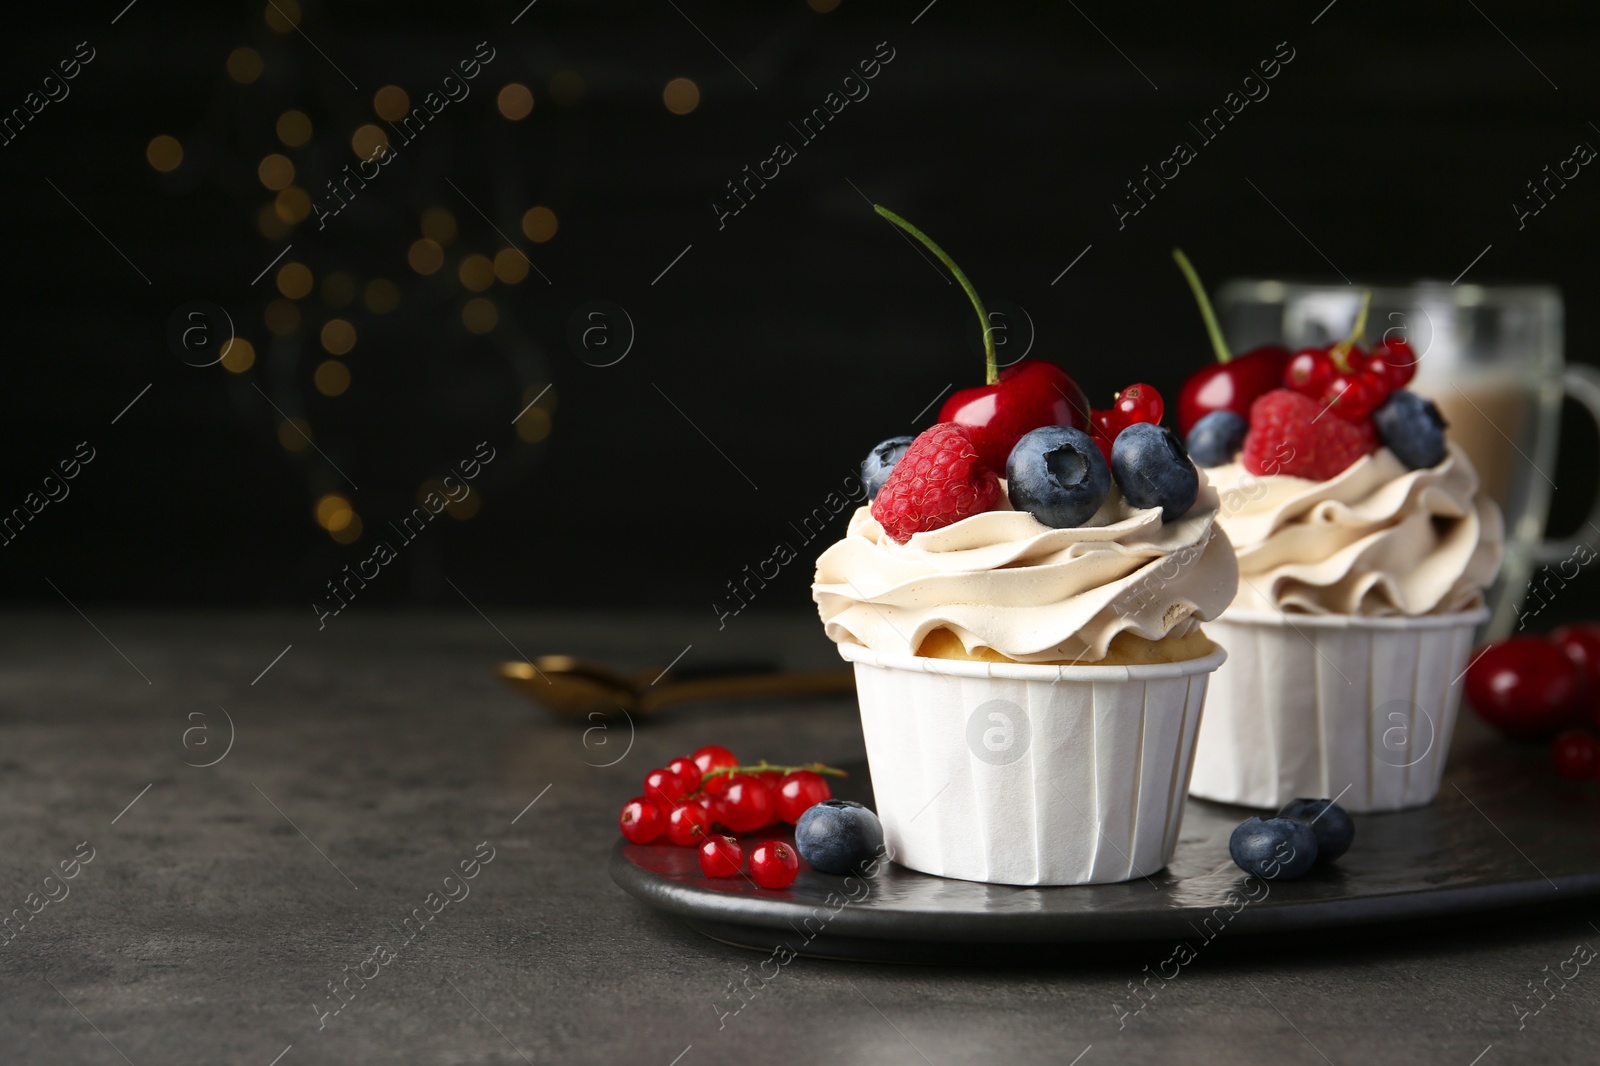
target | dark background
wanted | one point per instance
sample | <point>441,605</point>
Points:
<point>791,340</point>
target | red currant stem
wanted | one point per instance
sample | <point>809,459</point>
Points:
<point>764,765</point>
<point>1358,332</point>
<point>1213,330</point>
<point>991,368</point>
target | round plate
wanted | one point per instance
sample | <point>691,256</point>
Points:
<point>1502,833</point>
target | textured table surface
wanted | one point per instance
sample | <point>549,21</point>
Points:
<point>372,758</point>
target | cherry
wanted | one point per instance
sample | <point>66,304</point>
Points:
<point>1233,383</point>
<point>1526,687</point>
<point>688,772</point>
<point>712,757</point>
<point>798,792</point>
<point>1576,755</point>
<point>1138,403</point>
<point>641,820</point>
<point>721,856</point>
<point>687,825</point>
<point>664,788</point>
<point>1581,643</point>
<point>773,864</point>
<point>751,803</point>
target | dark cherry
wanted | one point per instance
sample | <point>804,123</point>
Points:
<point>1028,395</point>
<point>1582,644</point>
<point>1526,687</point>
<point>1576,755</point>
<point>1231,386</point>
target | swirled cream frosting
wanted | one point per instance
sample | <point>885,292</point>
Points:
<point>1004,581</point>
<point>1378,539</point>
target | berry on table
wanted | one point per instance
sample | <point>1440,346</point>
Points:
<point>713,757</point>
<point>1576,755</point>
<point>880,460</point>
<point>798,792</point>
<point>838,836</point>
<point>1217,438</point>
<point>1288,435</point>
<point>688,772</point>
<point>1057,475</point>
<point>664,788</point>
<point>1279,849</point>
<point>720,856</point>
<point>1525,687</point>
<point>641,820</point>
<point>773,864</point>
<point>750,803</point>
<point>940,480</point>
<point>1582,644</point>
<point>687,825</point>
<point>1153,470</point>
<point>1329,822</point>
<point>1413,429</point>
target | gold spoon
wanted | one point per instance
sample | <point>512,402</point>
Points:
<point>574,688</point>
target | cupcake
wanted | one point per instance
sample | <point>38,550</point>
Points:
<point>1022,600</point>
<point>1364,549</point>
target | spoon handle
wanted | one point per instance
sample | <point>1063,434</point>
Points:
<point>815,683</point>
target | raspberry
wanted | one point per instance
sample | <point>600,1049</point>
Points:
<point>1291,434</point>
<point>940,480</point>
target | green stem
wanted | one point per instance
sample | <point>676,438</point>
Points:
<point>763,765</point>
<point>1358,333</point>
<point>1213,330</point>
<point>991,369</point>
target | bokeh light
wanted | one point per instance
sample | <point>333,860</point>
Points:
<point>515,101</point>
<point>480,315</point>
<point>425,256</point>
<point>294,128</point>
<point>510,266</point>
<point>381,296</point>
<point>292,204</point>
<point>391,103</point>
<point>332,378</point>
<point>282,15</point>
<point>476,272</point>
<point>333,512</point>
<point>244,65</point>
<point>438,224</point>
<point>239,356</point>
<point>681,96</point>
<point>338,336</point>
<point>294,435</point>
<point>275,171</point>
<point>366,140</point>
<point>271,226</point>
<point>294,280</point>
<point>164,152</point>
<point>282,317</point>
<point>539,224</point>
<point>533,425</point>
<point>338,289</point>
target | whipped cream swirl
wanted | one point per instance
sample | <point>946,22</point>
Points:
<point>1376,540</point>
<point>1005,581</point>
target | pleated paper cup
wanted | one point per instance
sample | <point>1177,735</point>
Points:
<point>1018,774</point>
<point>1332,705</point>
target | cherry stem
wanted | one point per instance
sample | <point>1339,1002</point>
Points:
<point>1213,330</point>
<point>991,368</point>
<point>1340,352</point>
<point>764,765</point>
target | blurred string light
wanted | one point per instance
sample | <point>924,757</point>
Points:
<point>282,15</point>
<point>164,152</point>
<point>271,226</point>
<point>366,140</point>
<point>515,101</point>
<point>338,336</point>
<point>294,280</point>
<point>239,356</point>
<point>461,509</point>
<point>292,204</point>
<point>275,171</point>
<point>438,224</point>
<point>334,514</point>
<point>425,256</point>
<point>294,128</point>
<point>381,296</point>
<point>510,266</point>
<point>539,224</point>
<point>480,315</point>
<point>295,435</point>
<point>533,425</point>
<point>282,317</point>
<point>391,103</point>
<point>476,272</point>
<point>331,378</point>
<point>681,96</point>
<point>244,65</point>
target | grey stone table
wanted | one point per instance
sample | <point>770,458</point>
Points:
<point>369,761</point>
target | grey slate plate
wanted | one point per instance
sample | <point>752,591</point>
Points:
<point>1503,833</point>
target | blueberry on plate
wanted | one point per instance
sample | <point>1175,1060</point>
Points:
<point>1334,830</point>
<point>1058,475</point>
<point>838,836</point>
<point>880,460</point>
<point>1153,470</point>
<point>1278,849</point>
<point>1217,438</point>
<point>1413,429</point>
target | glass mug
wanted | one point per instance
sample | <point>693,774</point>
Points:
<point>1491,358</point>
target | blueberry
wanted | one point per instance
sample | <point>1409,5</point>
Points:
<point>1413,429</point>
<point>1058,475</point>
<point>1153,470</point>
<point>838,836</point>
<point>1279,849</point>
<point>880,460</point>
<point>1333,828</point>
<point>1217,438</point>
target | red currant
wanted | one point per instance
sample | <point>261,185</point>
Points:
<point>1525,686</point>
<point>664,787</point>
<point>1356,359</point>
<point>688,772</point>
<point>641,820</point>
<point>715,808</point>
<point>687,825</point>
<point>1398,361</point>
<point>1137,403</point>
<point>1309,371</point>
<point>1351,396</point>
<point>1576,755</point>
<point>716,786</point>
<point>798,792</point>
<point>721,856</point>
<point>751,803</point>
<point>773,864</point>
<point>713,756</point>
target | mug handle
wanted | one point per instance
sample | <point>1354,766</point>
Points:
<point>1582,384</point>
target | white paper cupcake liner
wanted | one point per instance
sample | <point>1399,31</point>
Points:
<point>1319,705</point>
<point>1021,774</point>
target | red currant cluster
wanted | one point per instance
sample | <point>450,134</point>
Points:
<point>1348,381</point>
<point>1136,403</point>
<point>690,796</point>
<point>1532,687</point>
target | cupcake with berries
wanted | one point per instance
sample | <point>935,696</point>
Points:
<point>1364,549</point>
<point>1022,599</point>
